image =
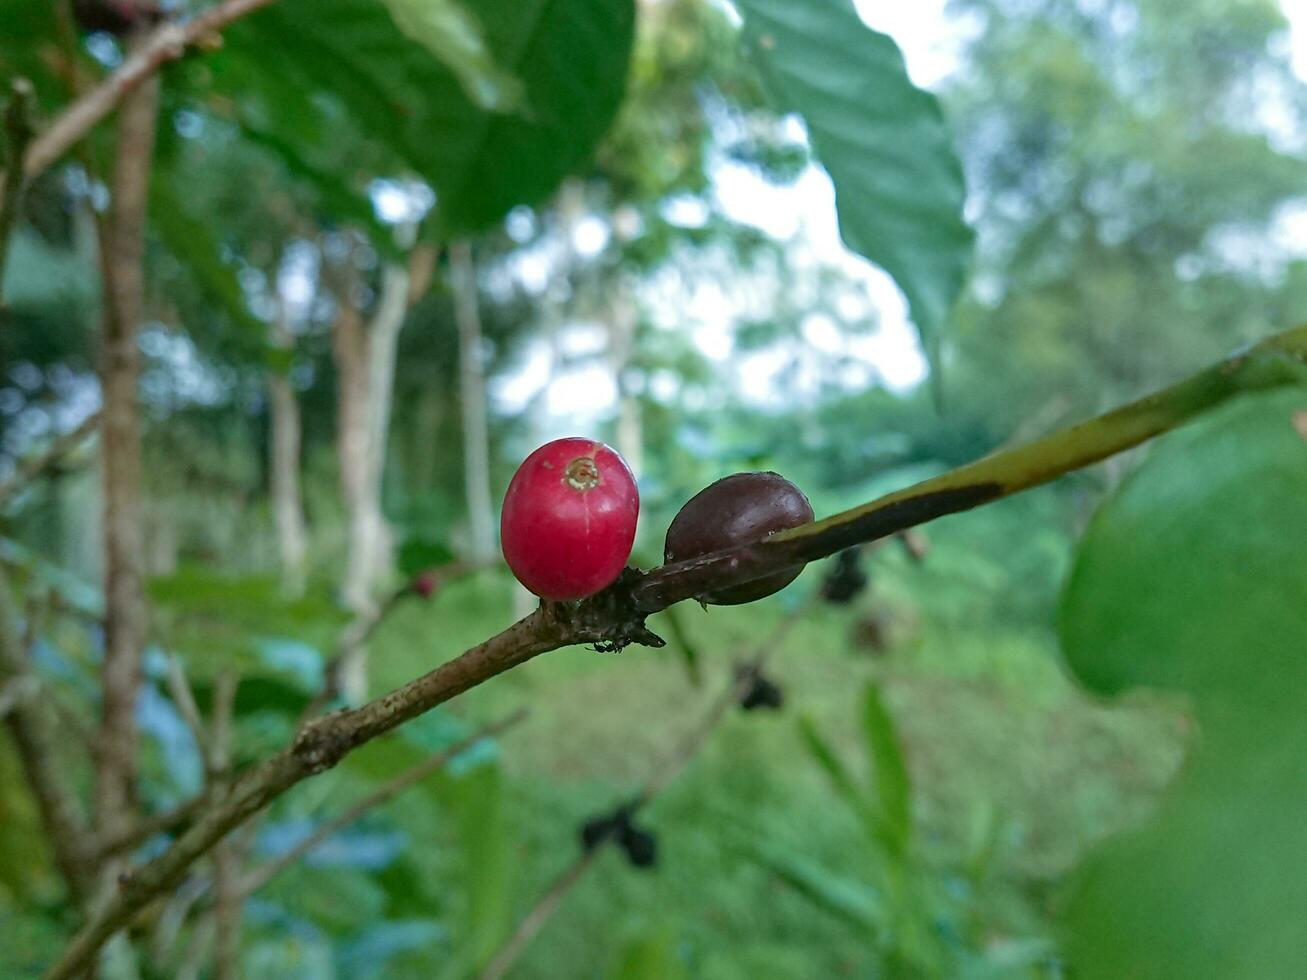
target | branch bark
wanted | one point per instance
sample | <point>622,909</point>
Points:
<point>124,626</point>
<point>228,856</point>
<point>165,44</point>
<point>29,470</point>
<point>616,616</point>
<point>410,777</point>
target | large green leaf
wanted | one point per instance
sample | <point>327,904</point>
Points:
<point>898,182</point>
<point>1194,576</point>
<point>345,76</point>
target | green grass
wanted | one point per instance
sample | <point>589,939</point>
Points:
<point>994,734</point>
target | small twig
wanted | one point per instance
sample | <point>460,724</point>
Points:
<point>616,615</point>
<point>220,727</point>
<point>265,873</point>
<point>148,827</point>
<point>166,43</point>
<point>548,903</point>
<point>539,915</point>
<point>19,130</point>
<point>34,467</point>
<point>228,903</point>
<point>179,689</point>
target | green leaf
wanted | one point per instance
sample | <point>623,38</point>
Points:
<point>478,805</point>
<point>846,898</point>
<point>825,757</point>
<point>454,36</point>
<point>899,187</point>
<point>1193,577</point>
<point>684,645</point>
<point>418,554</point>
<point>889,773</point>
<point>651,957</point>
<point>192,242</point>
<point>352,92</point>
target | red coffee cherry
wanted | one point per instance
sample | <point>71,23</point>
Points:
<point>736,509</point>
<point>569,519</point>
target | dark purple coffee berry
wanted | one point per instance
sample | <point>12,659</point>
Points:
<point>762,693</point>
<point>596,830</point>
<point>641,846</point>
<point>846,579</point>
<point>735,510</point>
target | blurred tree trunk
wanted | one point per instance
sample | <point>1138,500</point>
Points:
<point>120,449</point>
<point>284,467</point>
<point>472,395</point>
<point>622,325</point>
<point>365,367</point>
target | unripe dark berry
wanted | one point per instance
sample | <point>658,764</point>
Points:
<point>569,519</point>
<point>734,510</point>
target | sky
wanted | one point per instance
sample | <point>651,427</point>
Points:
<point>931,41</point>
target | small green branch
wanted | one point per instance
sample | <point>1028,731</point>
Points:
<point>19,130</point>
<point>1277,361</point>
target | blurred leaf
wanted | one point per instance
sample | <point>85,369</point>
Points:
<point>336,899</point>
<point>1192,577</point>
<point>344,69</point>
<point>825,756</point>
<point>193,243</point>
<point>368,954</point>
<point>899,187</point>
<point>889,774</point>
<point>477,801</point>
<point>418,554</point>
<point>849,899</point>
<point>684,645</point>
<point>454,36</point>
<point>31,942</point>
<point>24,864</point>
<point>651,957</point>
<point>215,620</point>
<point>289,956</point>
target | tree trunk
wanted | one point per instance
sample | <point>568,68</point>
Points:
<point>120,450</point>
<point>622,324</point>
<point>284,466</point>
<point>472,393</point>
<point>365,364</point>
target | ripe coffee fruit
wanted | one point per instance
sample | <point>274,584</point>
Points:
<point>569,519</point>
<point>734,510</point>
